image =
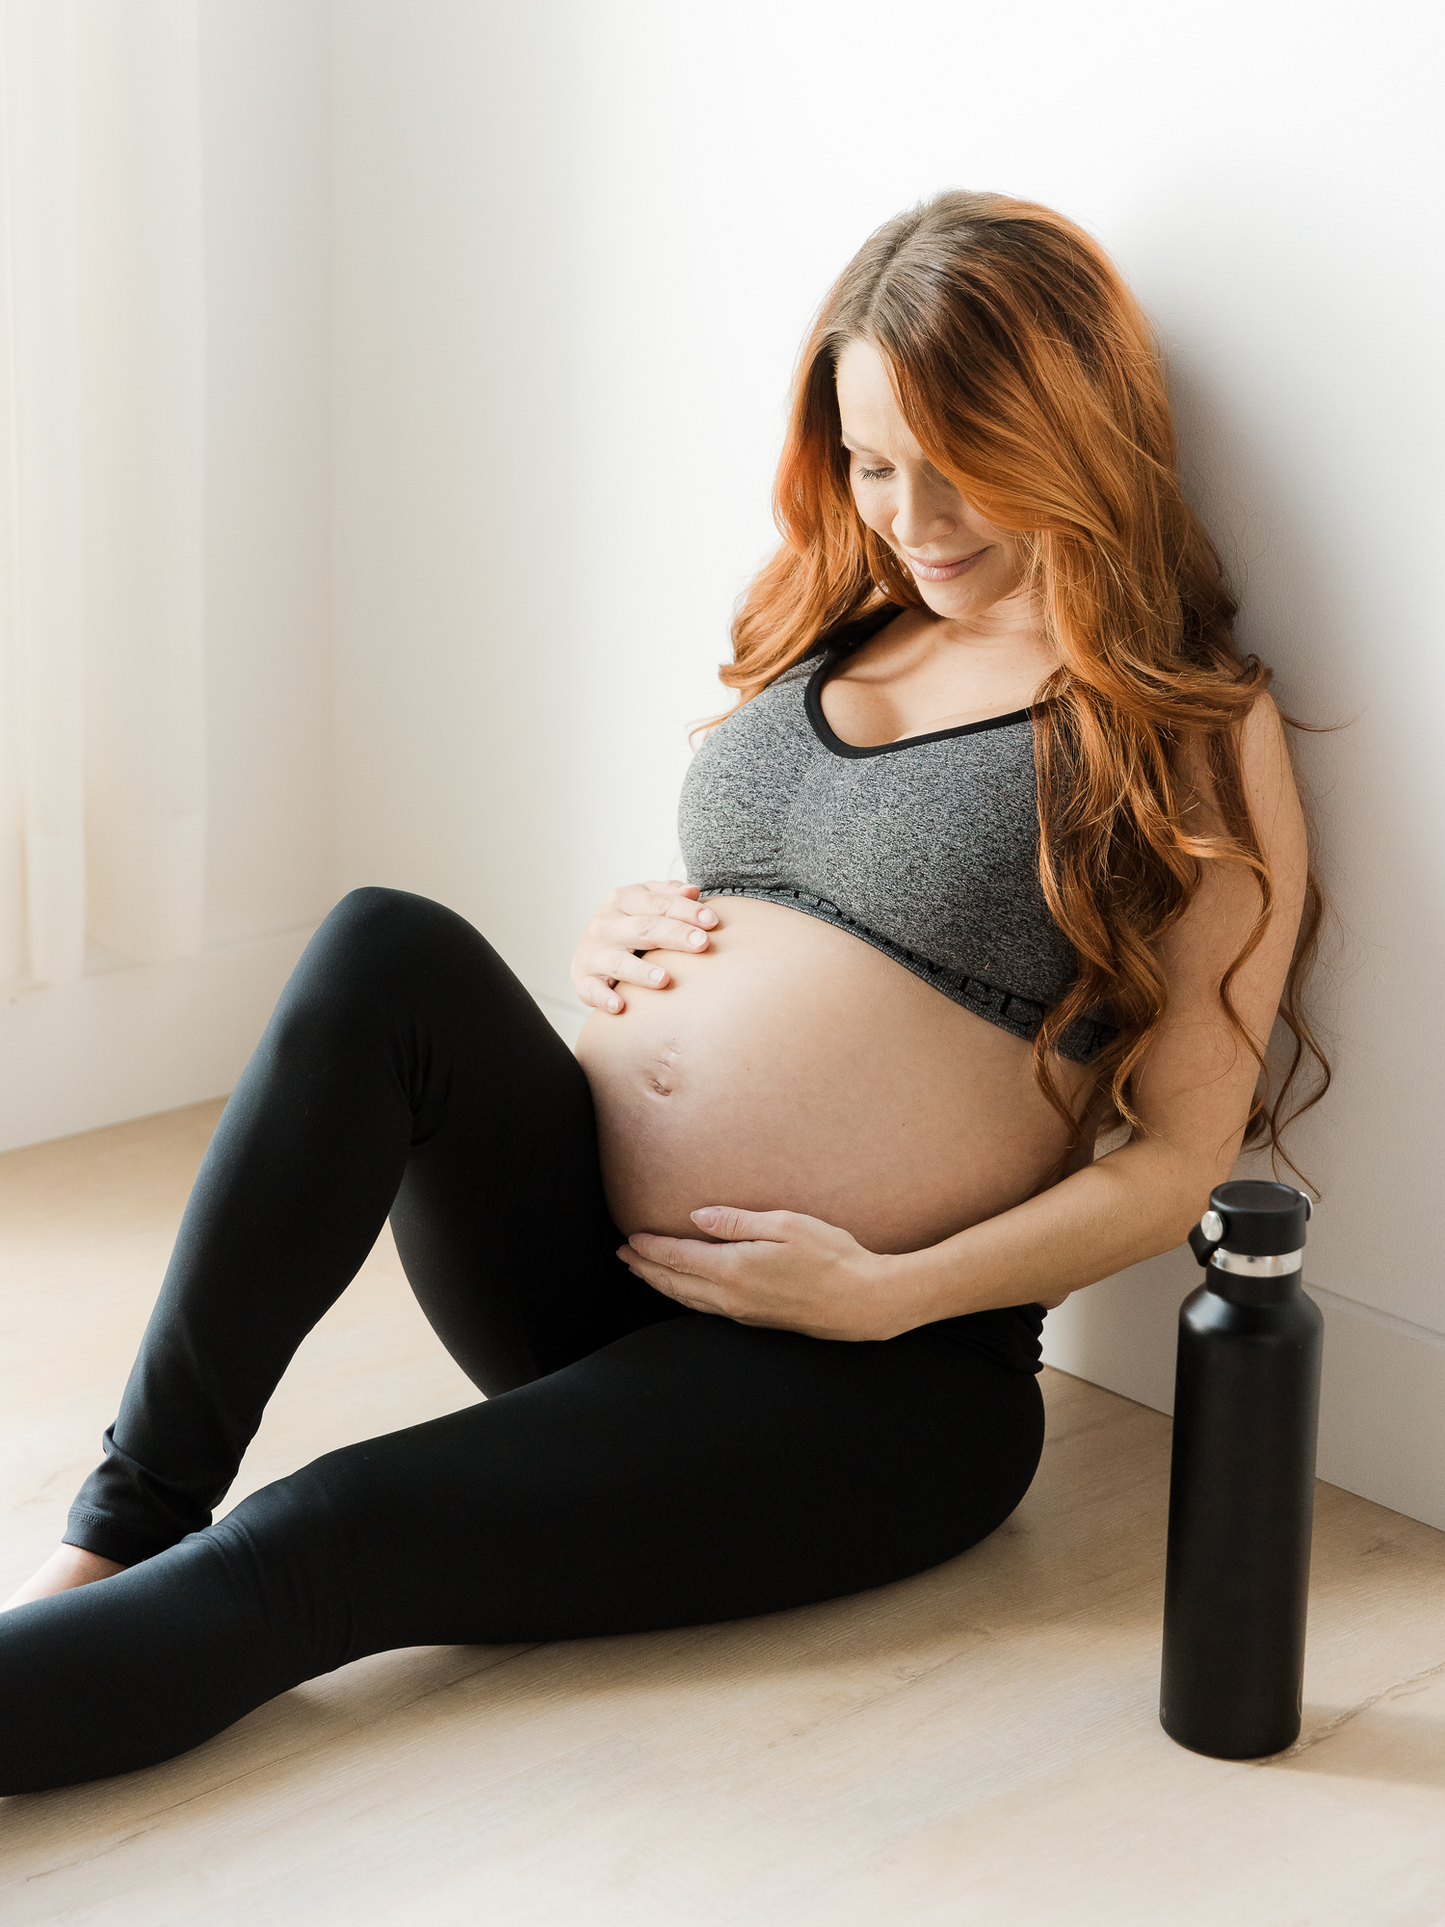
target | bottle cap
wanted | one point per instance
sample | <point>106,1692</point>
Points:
<point>1252,1218</point>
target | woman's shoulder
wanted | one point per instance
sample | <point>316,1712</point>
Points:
<point>844,637</point>
<point>839,640</point>
<point>1264,766</point>
<point>784,692</point>
<point>1267,770</point>
<point>799,671</point>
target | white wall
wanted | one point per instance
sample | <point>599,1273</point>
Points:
<point>265,78</point>
<point>577,249</point>
<point>454,253</point>
<point>129,1038</point>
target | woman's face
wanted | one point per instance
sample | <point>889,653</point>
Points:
<point>961,564</point>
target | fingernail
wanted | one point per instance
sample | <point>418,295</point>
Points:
<point>657,976</point>
<point>697,939</point>
<point>614,1003</point>
<point>707,917</point>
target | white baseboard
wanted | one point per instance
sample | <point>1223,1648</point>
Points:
<point>1382,1403</point>
<point>130,1042</point>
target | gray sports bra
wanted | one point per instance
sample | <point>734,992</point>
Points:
<point>925,848</point>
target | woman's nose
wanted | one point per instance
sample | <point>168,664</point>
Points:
<point>922,516</point>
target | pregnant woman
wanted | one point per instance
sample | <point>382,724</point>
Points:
<point>999,847</point>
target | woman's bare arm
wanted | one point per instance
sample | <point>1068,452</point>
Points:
<point>1193,1093</point>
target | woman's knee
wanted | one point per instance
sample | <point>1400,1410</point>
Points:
<point>378,954</point>
<point>393,925</point>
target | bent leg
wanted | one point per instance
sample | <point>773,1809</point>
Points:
<point>403,1057</point>
<point>692,1471</point>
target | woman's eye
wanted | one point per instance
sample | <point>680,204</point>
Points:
<point>873,474</point>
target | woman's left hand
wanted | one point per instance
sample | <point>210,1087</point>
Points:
<point>774,1268</point>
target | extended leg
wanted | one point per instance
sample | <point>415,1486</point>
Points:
<point>692,1471</point>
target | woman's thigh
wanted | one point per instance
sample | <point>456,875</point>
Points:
<point>695,1470</point>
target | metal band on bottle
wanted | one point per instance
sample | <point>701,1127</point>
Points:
<point>1246,1266</point>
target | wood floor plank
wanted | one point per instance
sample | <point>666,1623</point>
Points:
<point>979,1743</point>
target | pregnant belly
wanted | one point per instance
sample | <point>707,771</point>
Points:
<point>793,1067</point>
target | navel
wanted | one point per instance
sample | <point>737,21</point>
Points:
<point>660,1076</point>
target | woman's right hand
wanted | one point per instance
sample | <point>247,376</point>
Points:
<point>640,916</point>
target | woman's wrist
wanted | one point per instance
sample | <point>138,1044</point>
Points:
<point>920,1287</point>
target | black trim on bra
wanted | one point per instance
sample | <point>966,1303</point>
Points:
<point>832,741</point>
<point>842,642</point>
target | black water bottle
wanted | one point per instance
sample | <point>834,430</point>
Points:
<point>1241,1494</point>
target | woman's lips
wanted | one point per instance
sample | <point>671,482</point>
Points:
<point>943,571</point>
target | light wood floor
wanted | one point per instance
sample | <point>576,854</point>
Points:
<point>975,1745</point>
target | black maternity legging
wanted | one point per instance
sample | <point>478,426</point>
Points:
<point>634,1465</point>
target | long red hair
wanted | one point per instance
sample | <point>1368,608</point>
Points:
<point>1029,375</point>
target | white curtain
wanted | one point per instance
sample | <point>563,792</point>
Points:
<point>102,415</point>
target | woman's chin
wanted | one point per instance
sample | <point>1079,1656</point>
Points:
<point>959,600</point>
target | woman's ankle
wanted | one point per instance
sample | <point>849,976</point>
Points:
<point>65,1569</point>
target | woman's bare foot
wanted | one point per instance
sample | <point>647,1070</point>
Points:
<point>66,1568</point>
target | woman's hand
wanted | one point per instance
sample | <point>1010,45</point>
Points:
<point>639,916</point>
<point>775,1268</point>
